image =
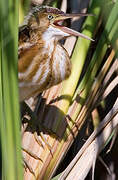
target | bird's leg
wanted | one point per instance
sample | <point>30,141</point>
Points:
<point>25,109</point>
<point>44,140</point>
<point>38,104</point>
<point>33,118</point>
<point>40,128</point>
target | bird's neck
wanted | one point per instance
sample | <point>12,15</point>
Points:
<point>49,43</point>
<point>45,39</point>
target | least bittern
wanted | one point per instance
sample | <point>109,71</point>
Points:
<point>43,61</point>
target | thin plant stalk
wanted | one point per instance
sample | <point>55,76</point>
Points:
<point>78,59</point>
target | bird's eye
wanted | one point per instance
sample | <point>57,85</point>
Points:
<point>50,17</point>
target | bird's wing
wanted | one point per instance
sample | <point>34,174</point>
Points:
<point>24,39</point>
<point>26,56</point>
<point>24,33</point>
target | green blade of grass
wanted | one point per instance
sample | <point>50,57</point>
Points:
<point>9,112</point>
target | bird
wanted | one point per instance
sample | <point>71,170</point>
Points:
<point>42,61</point>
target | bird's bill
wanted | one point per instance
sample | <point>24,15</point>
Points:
<point>71,32</point>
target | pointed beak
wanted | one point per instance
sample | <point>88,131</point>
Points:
<point>69,31</point>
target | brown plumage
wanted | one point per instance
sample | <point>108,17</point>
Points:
<point>43,62</point>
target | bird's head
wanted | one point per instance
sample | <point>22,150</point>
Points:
<point>47,21</point>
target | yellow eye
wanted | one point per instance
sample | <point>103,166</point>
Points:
<point>50,17</point>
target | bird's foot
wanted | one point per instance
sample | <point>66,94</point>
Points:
<point>36,129</point>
